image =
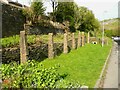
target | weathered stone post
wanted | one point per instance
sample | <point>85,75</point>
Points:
<point>88,38</point>
<point>23,47</point>
<point>65,47</point>
<point>50,46</point>
<point>79,40</point>
<point>83,42</point>
<point>106,41</point>
<point>73,41</point>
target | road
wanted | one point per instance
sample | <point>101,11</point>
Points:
<point>111,78</point>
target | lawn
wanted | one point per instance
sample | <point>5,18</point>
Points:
<point>83,65</point>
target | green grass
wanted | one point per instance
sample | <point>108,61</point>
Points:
<point>13,41</point>
<point>83,65</point>
<point>31,39</point>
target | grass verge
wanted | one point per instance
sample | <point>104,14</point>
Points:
<point>83,65</point>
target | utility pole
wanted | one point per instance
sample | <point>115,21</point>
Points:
<point>103,31</point>
<point>103,34</point>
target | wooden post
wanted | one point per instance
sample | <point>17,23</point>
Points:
<point>88,40</point>
<point>50,46</point>
<point>65,48</point>
<point>73,41</point>
<point>79,38</point>
<point>23,47</point>
<point>83,39</point>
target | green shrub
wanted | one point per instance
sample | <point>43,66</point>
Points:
<point>32,74</point>
<point>29,75</point>
<point>110,33</point>
<point>31,39</point>
<point>10,41</point>
<point>14,40</point>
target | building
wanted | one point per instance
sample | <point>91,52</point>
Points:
<point>4,1</point>
<point>15,4</point>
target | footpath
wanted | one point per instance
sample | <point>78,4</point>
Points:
<point>111,78</point>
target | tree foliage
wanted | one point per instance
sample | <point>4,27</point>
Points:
<point>66,12</point>
<point>37,8</point>
<point>88,22</point>
<point>54,4</point>
<point>34,11</point>
<point>80,18</point>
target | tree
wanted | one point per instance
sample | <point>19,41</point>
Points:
<point>38,9</point>
<point>28,13</point>
<point>54,6</point>
<point>88,22</point>
<point>34,11</point>
<point>65,11</point>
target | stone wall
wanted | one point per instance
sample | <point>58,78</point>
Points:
<point>39,51</point>
<point>37,30</point>
<point>35,52</point>
<point>12,20</point>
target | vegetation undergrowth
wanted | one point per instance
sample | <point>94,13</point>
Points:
<point>31,39</point>
<point>32,75</point>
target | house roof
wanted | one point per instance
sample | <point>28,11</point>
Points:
<point>15,3</point>
<point>10,2</point>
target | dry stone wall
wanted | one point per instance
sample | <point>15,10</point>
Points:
<point>38,53</point>
<point>35,52</point>
<point>12,20</point>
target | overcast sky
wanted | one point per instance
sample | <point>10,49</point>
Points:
<point>103,9</point>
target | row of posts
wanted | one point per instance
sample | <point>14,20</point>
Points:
<point>23,44</point>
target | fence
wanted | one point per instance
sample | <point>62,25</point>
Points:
<point>42,50</point>
<point>76,43</point>
<point>39,49</point>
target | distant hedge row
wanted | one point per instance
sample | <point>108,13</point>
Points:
<point>110,33</point>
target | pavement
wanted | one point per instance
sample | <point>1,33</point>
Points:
<point>111,78</point>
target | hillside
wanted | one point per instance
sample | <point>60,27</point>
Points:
<point>111,26</point>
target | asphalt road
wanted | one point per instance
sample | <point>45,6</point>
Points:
<point>111,79</point>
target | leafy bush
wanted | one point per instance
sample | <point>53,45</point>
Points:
<point>10,41</point>
<point>28,75</point>
<point>67,84</point>
<point>33,74</point>
<point>31,39</point>
<point>14,40</point>
<point>110,33</point>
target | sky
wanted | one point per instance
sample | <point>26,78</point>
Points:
<point>102,9</point>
